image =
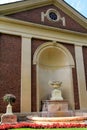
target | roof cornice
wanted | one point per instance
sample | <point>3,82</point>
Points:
<point>28,29</point>
<point>71,12</point>
<point>31,4</point>
<point>24,23</point>
<point>22,5</point>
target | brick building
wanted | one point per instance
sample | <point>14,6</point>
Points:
<point>42,40</point>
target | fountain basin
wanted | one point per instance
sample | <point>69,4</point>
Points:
<point>58,119</point>
<point>69,117</point>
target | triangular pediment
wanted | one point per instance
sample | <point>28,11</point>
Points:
<point>54,13</point>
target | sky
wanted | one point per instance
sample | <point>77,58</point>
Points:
<point>79,5</point>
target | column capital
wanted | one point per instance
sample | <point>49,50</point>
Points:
<point>26,36</point>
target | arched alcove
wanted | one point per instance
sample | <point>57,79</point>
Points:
<point>53,62</point>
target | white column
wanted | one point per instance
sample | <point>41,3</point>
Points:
<point>81,77</point>
<point>26,75</point>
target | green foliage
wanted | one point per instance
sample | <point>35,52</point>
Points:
<point>9,98</point>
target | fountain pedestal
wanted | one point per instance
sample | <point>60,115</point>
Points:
<point>55,105</point>
<point>55,108</point>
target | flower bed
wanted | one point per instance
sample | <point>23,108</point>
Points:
<point>40,126</point>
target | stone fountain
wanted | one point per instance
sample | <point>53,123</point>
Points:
<point>55,110</point>
<point>56,102</point>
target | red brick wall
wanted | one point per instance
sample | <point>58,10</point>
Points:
<point>34,15</point>
<point>75,84</point>
<point>10,69</point>
<point>85,62</point>
<point>35,44</point>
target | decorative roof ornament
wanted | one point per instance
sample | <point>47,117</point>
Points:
<point>53,15</point>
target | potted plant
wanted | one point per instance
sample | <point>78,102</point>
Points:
<point>10,99</point>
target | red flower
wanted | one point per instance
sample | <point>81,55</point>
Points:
<point>34,125</point>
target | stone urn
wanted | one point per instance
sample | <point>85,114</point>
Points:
<point>9,117</point>
<point>56,92</point>
<point>10,99</point>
